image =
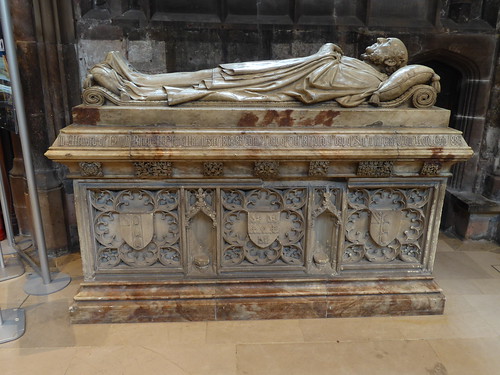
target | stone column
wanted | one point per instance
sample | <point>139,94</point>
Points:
<point>45,46</point>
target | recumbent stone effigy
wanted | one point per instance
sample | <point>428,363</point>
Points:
<point>300,188</point>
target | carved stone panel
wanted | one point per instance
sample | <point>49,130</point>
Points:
<point>136,229</point>
<point>386,226</point>
<point>263,228</point>
<point>297,227</point>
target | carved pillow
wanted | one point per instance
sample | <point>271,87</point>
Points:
<point>402,80</point>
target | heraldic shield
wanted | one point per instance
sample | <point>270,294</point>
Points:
<point>384,226</point>
<point>136,229</point>
<point>263,227</point>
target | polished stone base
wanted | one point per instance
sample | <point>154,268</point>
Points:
<point>212,300</point>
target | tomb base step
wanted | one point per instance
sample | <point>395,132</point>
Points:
<point>218,300</point>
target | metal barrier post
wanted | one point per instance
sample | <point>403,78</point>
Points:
<point>45,283</point>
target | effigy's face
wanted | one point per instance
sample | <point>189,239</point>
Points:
<point>379,51</point>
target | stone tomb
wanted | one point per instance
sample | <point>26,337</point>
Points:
<point>200,212</point>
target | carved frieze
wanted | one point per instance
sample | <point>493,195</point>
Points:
<point>375,168</point>
<point>91,169</point>
<point>153,169</point>
<point>263,227</point>
<point>385,225</point>
<point>136,228</point>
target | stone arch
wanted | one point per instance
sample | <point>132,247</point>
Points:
<point>460,85</point>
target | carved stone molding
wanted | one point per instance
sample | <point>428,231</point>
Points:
<point>375,168</point>
<point>318,168</point>
<point>91,169</point>
<point>213,169</point>
<point>266,169</point>
<point>153,169</point>
<point>431,168</point>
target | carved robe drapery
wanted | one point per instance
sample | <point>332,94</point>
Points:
<point>325,75</point>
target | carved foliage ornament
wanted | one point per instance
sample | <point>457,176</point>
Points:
<point>431,168</point>
<point>153,169</point>
<point>318,168</point>
<point>375,168</point>
<point>213,169</point>
<point>136,228</point>
<point>383,225</point>
<point>91,169</point>
<point>266,169</point>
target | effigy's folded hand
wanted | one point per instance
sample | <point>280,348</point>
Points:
<point>331,49</point>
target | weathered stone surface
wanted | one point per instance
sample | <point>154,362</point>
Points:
<point>261,116</point>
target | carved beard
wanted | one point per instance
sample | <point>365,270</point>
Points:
<point>374,59</point>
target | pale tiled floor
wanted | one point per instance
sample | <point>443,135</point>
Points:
<point>465,340</point>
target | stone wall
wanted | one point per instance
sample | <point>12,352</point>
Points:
<point>458,38</point>
<point>58,41</point>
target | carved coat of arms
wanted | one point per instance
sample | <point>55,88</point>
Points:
<point>136,229</point>
<point>263,227</point>
<point>384,226</point>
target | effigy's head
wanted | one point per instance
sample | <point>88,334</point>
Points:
<point>389,54</point>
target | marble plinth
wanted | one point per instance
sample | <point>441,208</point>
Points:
<point>240,299</point>
<point>313,216</point>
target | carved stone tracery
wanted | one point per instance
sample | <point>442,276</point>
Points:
<point>136,228</point>
<point>259,227</point>
<point>263,227</point>
<point>384,225</point>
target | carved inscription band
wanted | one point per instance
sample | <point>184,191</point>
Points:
<point>251,141</point>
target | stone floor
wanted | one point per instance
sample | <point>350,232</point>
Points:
<point>465,340</point>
